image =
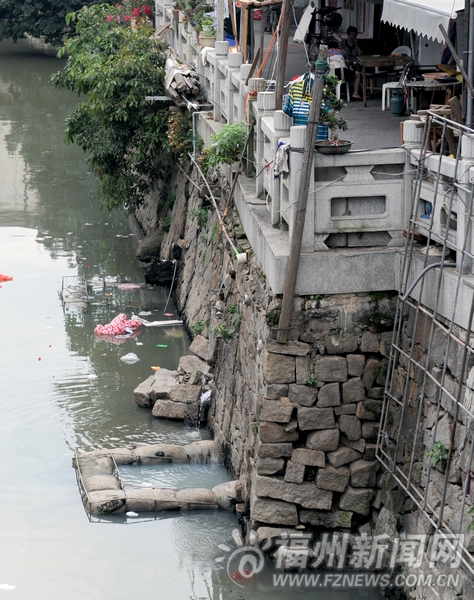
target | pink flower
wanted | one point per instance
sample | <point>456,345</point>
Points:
<point>136,12</point>
<point>126,18</point>
<point>108,18</point>
<point>147,10</point>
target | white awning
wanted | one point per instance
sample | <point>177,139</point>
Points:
<point>421,16</point>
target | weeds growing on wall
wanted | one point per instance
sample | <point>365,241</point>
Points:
<point>113,66</point>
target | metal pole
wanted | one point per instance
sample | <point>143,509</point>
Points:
<point>306,174</point>
<point>470,67</point>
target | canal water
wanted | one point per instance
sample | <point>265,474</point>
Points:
<point>62,388</point>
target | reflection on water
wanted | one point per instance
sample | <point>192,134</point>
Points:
<point>62,387</point>
<point>172,475</point>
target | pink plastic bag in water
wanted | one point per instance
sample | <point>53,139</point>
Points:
<point>117,326</point>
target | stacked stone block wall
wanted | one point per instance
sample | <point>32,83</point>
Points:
<point>298,423</point>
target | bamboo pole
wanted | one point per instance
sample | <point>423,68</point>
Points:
<point>283,35</point>
<point>457,60</point>
<point>298,223</point>
<point>244,26</point>
<point>234,27</point>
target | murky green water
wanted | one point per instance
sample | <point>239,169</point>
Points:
<point>63,388</point>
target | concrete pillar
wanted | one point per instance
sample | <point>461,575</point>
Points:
<point>466,178</point>
<point>233,95</point>
<point>235,59</point>
<point>297,142</point>
<point>282,124</point>
<point>265,107</point>
<point>256,85</point>
<point>467,146</point>
<point>412,138</point>
<point>412,135</point>
<point>222,48</point>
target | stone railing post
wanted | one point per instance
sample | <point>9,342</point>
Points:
<point>282,125</point>
<point>412,142</point>
<point>221,50</point>
<point>256,85</point>
<point>265,108</point>
<point>233,94</point>
<point>297,143</point>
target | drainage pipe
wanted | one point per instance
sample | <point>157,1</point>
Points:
<point>423,273</point>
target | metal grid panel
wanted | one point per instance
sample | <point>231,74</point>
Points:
<point>431,354</point>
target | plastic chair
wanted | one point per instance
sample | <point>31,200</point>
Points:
<point>402,50</point>
<point>394,85</point>
<point>382,72</point>
<point>338,62</point>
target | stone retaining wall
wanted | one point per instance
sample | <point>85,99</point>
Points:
<point>297,423</point>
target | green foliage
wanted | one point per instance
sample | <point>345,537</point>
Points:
<point>438,454</point>
<point>470,527</point>
<point>273,316</point>
<point>227,144</point>
<point>225,331</point>
<point>233,309</point>
<point>180,134</point>
<point>203,257</point>
<point>114,67</point>
<point>330,106</point>
<point>206,24</point>
<point>212,239</point>
<point>253,425</point>
<point>170,198</point>
<point>237,322</point>
<point>198,327</point>
<point>311,381</point>
<point>166,223</point>
<point>200,214</point>
<point>38,18</point>
<point>377,320</point>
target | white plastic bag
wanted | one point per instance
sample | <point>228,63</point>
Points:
<point>130,358</point>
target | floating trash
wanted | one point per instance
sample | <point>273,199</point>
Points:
<point>131,514</point>
<point>128,286</point>
<point>118,325</point>
<point>162,345</point>
<point>129,359</point>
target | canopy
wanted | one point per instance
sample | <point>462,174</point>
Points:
<point>421,16</point>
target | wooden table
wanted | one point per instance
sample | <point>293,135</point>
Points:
<point>375,60</point>
<point>418,88</point>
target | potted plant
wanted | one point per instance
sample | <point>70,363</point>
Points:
<point>227,145</point>
<point>208,33</point>
<point>197,24</point>
<point>330,106</point>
